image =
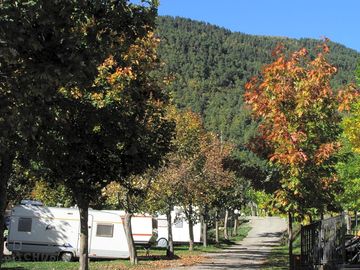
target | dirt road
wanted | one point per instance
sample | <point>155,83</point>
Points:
<point>250,253</point>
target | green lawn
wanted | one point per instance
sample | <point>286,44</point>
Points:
<point>98,265</point>
<point>279,258</point>
<point>156,260</point>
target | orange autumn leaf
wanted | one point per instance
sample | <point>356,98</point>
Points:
<point>325,151</point>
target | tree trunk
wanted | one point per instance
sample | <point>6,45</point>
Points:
<point>170,247</point>
<point>226,235</point>
<point>356,219</point>
<point>130,239</point>
<point>191,229</point>
<point>217,230</point>
<point>235,225</point>
<point>204,226</point>
<point>204,231</point>
<point>290,243</point>
<point>348,222</point>
<point>83,205</point>
<point>5,172</point>
<point>205,234</point>
<point>252,209</point>
<point>191,235</point>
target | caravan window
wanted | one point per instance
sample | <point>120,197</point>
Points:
<point>24,224</point>
<point>105,230</point>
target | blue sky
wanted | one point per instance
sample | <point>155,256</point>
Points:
<point>338,20</point>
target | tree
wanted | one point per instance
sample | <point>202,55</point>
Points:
<point>300,127</point>
<point>87,68</point>
<point>51,196</point>
<point>351,125</point>
<point>348,167</point>
<point>17,120</point>
<point>215,182</point>
<point>20,183</point>
<point>349,174</point>
<point>130,195</point>
<point>174,185</point>
<point>162,198</point>
<point>194,171</point>
<point>127,134</point>
<point>183,163</point>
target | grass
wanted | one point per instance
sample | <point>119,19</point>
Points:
<point>97,265</point>
<point>279,257</point>
<point>242,232</point>
<point>156,260</point>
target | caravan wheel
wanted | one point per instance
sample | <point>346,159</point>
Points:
<point>66,257</point>
<point>162,242</point>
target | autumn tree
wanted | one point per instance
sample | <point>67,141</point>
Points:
<point>166,193</point>
<point>51,196</point>
<point>215,181</point>
<point>348,167</point>
<point>351,125</point>
<point>181,167</point>
<point>130,195</point>
<point>162,198</point>
<point>300,128</point>
<point>183,164</point>
<point>87,68</point>
<point>23,183</point>
<point>122,129</point>
<point>193,174</point>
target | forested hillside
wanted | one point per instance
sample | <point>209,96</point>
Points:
<point>211,65</point>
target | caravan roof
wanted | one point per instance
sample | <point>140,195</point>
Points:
<point>62,213</point>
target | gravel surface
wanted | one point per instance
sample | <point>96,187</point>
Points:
<point>249,253</point>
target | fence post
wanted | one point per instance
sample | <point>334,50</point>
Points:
<point>343,252</point>
<point>290,232</point>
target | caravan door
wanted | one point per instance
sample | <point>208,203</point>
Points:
<point>108,238</point>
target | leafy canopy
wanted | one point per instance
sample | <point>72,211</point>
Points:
<point>300,125</point>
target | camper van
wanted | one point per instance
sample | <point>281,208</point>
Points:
<point>180,229</point>
<point>56,231</point>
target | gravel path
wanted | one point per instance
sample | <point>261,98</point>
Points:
<point>251,252</point>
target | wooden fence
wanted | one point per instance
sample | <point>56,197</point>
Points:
<point>322,244</point>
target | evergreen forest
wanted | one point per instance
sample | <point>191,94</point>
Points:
<point>210,66</point>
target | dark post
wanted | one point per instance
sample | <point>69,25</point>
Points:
<point>291,261</point>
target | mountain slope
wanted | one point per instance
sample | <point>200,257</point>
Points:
<point>211,65</point>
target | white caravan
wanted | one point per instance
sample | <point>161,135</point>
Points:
<point>143,227</point>
<point>180,229</point>
<point>56,231</point>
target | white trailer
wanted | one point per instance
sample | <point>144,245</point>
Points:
<point>56,231</point>
<point>143,227</point>
<point>180,228</point>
